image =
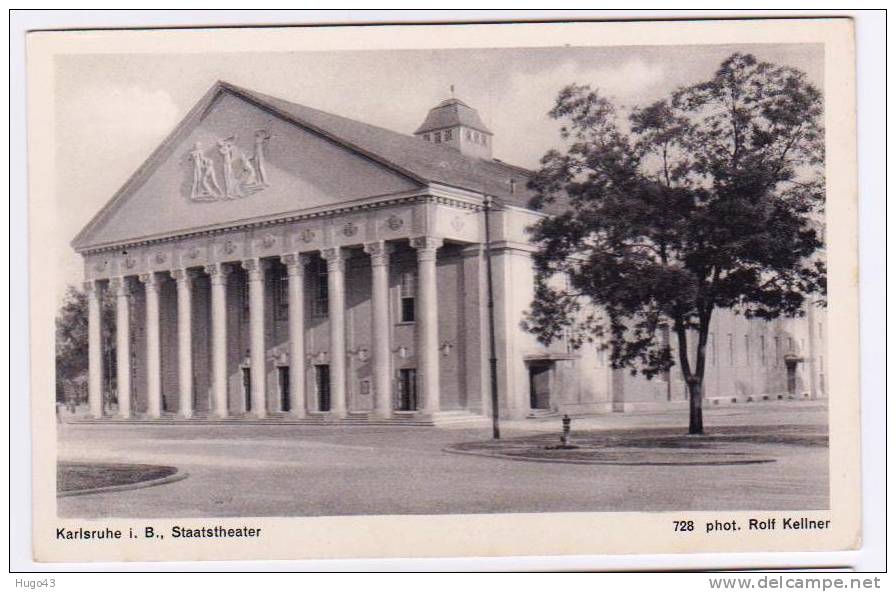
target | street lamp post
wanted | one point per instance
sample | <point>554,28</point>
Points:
<point>492,360</point>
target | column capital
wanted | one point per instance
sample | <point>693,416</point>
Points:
<point>218,272</point>
<point>150,279</point>
<point>379,252</point>
<point>295,263</point>
<point>182,275</point>
<point>255,267</point>
<point>91,287</point>
<point>334,258</point>
<point>426,247</point>
<point>120,286</point>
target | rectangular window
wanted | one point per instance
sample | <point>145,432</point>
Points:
<point>407,389</point>
<point>426,137</point>
<point>469,136</point>
<point>281,297</point>
<point>712,349</point>
<point>321,290</point>
<point>438,137</point>
<point>244,299</point>
<point>747,348</point>
<point>283,377</point>
<point>322,376</point>
<point>446,135</point>
<point>730,349</point>
<point>762,349</point>
<point>777,351</point>
<point>407,296</point>
<point>247,389</point>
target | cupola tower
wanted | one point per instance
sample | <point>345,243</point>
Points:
<point>458,125</point>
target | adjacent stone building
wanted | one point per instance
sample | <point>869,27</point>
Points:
<point>272,260</point>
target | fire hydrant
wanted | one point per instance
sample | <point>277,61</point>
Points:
<point>564,437</point>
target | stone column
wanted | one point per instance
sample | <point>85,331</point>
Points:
<point>94,347</point>
<point>122,346</point>
<point>427,321</point>
<point>184,341</point>
<point>295,267</point>
<point>380,334</point>
<point>218,275</point>
<point>153,346</point>
<point>336,298</point>
<point>255,267</point>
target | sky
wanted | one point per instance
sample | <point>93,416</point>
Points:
<point>112,110</point>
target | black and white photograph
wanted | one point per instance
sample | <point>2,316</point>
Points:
<point>425,281</point>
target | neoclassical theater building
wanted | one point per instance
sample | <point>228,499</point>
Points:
<point>273,260</point>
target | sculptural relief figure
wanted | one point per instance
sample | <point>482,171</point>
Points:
<point>205,182</point>
<point>226,148</point>
<point>243,175</point>
<point>261,136</point>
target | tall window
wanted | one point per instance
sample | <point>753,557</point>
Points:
<point>446,135</point>
<point>730,349</point>
<point>281,296</point>
<point>712,349</point>
<point>244,298</point>
<point>762,349</point>
<point>407,293</point>
<point>438,137</point>
<point>321,290</point>
<point>777,351</point>
<point>747,348</point>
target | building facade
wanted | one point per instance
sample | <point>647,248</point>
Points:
<point>272,260</point>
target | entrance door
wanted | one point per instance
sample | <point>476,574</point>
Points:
<point>322,374</point>
<point>407,389</point>
<point>540,386</point>
<point>247,388</point>
<point>791,378</point>
<point>283,375</point>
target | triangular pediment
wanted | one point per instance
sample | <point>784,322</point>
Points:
<point>234,159</point>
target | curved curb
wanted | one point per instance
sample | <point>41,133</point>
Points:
<point>567,461</point>
<point>178,476</point>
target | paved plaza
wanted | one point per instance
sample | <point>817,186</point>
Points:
<point>291,470</point>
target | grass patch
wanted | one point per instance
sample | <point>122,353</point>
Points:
<point>73,476</point>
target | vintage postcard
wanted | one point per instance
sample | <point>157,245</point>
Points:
<point>474,290</point>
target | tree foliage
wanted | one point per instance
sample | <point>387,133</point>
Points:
<point>710,198</point>
<point>72,333</point>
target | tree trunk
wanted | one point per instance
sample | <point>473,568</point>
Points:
<point>695,392</point>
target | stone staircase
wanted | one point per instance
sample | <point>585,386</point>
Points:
<point>410,419</point>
